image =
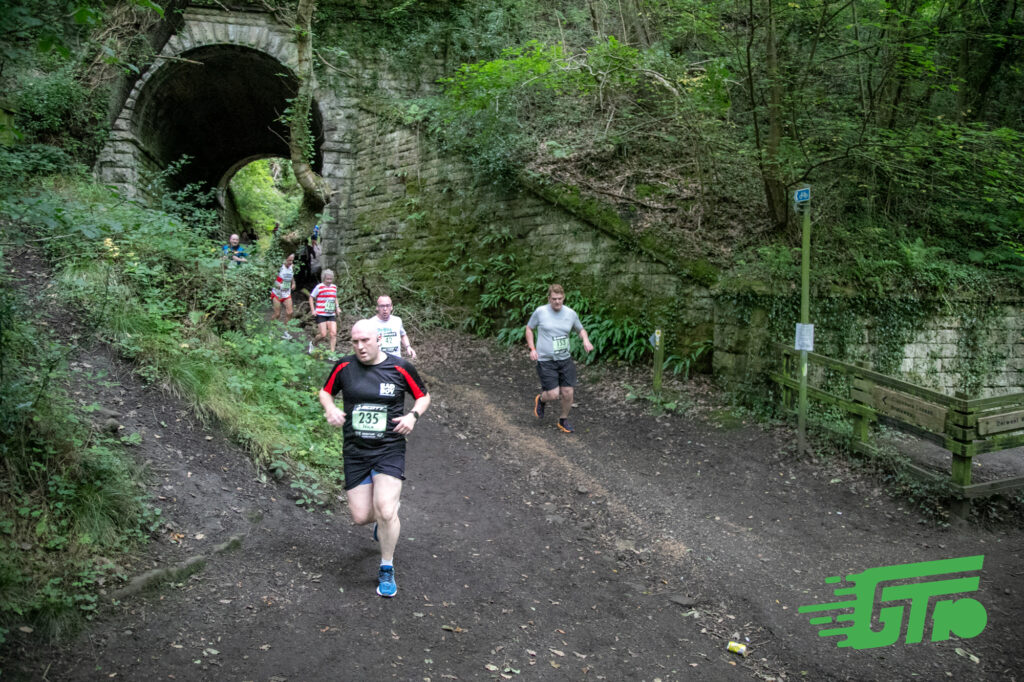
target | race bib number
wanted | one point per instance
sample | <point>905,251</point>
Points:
<point>560,344</point>
<point>389,340</point>
<point>330,305</point>
<point>369,419</point>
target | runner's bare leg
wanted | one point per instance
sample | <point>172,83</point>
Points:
<point>360,504</point>
<point>567,395</point>
<point>386,493</point>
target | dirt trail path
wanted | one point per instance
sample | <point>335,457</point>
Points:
<point>633,549</point>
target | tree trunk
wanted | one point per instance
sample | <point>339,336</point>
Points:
<point>315,191</point>
<point>774,187</point>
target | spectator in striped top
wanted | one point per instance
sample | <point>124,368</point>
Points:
<point>323,302</point>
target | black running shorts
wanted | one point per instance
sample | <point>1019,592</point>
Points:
<point>390,462</point>
<point>555,373</point>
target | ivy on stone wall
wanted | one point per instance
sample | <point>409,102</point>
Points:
<point>859,327</point>
<point>977,358</point>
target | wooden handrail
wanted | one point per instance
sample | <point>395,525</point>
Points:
<point>882,379</point>
<point>965,427</point>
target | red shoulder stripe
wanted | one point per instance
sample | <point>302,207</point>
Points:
<point>417,392</point>
<point>329,386</point>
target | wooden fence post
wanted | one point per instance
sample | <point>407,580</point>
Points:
<point>787,371</point>
<point>961,469</point>
<point>860,393</point>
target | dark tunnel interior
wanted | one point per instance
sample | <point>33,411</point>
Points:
<point>219,105</point>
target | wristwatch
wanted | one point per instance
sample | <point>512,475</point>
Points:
<point>415,414</point>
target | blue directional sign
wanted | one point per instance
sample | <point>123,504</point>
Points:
<point>802,195</point>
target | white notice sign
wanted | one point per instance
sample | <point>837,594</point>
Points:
<point>804,337</point>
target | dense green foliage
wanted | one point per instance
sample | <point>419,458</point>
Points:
<point>158,289</point>
<point>60,61</point>
<point>266,193</point>
<point>57,109</point>
<point>698,119</point>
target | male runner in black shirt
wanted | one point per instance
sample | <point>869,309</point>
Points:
<point>373,386</point>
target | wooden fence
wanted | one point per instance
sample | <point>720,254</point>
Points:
<point>965,427</point>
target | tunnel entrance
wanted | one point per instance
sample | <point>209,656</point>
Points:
<point>219,105</point>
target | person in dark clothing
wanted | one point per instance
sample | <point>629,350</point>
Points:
<point>373,385</point>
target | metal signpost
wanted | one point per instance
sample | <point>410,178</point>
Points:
<point>805,330</point>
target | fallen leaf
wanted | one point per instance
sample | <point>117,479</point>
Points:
<point>491,667</point>
<point>578,654</point>
<point>556,652</point>
<point>264,647</point>
<point>554,665</point>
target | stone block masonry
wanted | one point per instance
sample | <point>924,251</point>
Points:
<point>981,355</point>
<point>411,210</point>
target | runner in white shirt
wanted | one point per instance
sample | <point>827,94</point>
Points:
<point>282,292</point>
<point>323,303</point>
<point>392,335</point>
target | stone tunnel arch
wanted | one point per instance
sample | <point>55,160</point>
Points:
<point>216,93</point>
<point>218,104</point>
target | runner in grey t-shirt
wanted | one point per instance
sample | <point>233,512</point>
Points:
<point>554,322</point>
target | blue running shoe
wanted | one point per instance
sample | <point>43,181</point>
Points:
<point>538,407</point>
<point>565,426</point>
<point>375,538</point>
<point>386,586</point>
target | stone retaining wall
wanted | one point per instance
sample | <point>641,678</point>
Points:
<point>412,212</point>
<point>979,352</point>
